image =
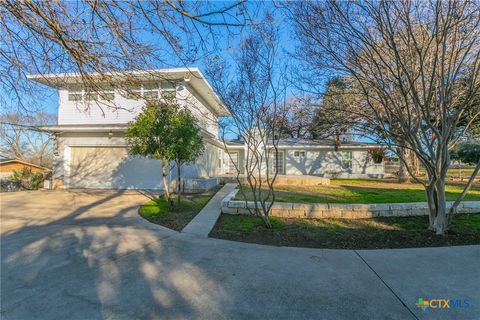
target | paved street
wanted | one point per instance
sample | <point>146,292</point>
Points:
<point>88,255</point>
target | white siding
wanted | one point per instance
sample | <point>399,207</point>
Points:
<point>123,110</point>
<point>329,164</point>
<point>207,119</point>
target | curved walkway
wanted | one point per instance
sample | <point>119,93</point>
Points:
<point>88,255</point>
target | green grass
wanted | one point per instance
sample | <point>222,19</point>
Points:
<point>398,232</point>
<point>362,191</point>
<point>178,216</point>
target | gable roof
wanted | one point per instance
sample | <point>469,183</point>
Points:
<point>191,76</point>
<point>6,161</point>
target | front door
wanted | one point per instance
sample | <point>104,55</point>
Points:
<point>233,164</point>
<point>279,162</point>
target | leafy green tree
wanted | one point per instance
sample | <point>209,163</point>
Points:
<point>468,152</point>
<point>187,143</point>
<point>168,133</point>
<point>334,116</point>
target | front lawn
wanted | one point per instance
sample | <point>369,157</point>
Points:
<point>362,191</point>
<point>398,232</point>
<point>177,217</point>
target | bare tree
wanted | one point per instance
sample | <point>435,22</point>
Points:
<point>296,120</point>
<point>255,94</point>
<point>95,38</point>
<point>406,60</point>
<point>21,138</point>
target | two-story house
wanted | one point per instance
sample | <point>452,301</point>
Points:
<point>91,151</point>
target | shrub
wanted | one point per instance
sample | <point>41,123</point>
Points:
<point>377,154</point>
<point>27,179</point>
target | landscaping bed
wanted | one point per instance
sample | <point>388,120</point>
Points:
<point>178,216</point>
<point>376,233</point>
<point>362,191</point>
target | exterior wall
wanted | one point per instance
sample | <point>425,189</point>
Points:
<point>209,164</point>
<point>119,111</point>
<point>328,163</point>
<point>123,110</point>
<point>325,163</point>
<point>133,172</point>
<point>206,118</point>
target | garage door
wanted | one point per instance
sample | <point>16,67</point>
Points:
<point>112,168</point>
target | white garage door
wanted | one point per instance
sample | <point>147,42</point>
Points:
<point>112,168</point>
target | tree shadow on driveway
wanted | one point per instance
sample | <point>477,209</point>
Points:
<point>87,255</point>
<point>96,260</point>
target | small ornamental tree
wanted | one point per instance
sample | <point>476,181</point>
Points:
<point>165,132</point>
<point>150,135</point>
<point>187,143</point>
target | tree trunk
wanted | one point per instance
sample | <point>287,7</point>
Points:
<point>440,223</point>
<point>432,205</point>
<point>403,175</point>
<point>179,184</point>
<point>414,163</point>
<point>166,190</point>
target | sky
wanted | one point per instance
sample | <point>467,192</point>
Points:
<point>224,46</point>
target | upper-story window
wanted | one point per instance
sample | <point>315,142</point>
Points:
<point>168,90</point>
<point>77,93</point>
<point>151,91</point>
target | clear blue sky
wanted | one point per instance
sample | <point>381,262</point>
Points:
<point>225,47</point>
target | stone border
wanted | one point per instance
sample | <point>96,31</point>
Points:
<point>339,210</point>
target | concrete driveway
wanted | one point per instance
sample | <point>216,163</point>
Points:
<point>88,255</point>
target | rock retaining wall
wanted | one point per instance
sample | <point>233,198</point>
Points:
<point>338,210</point>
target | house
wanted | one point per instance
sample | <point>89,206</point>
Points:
<point>91,151</point>
<point>313,157</point>
<point>8,166</point>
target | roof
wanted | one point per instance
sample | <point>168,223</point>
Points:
<point>5,161</point>
<point>86,128</point>
<point>308,143</point>
<point>191,76</point>
<point>114,127</point>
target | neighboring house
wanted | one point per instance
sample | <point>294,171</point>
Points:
<point>313,157</point>
<point>8,166</point>
<point>91,151</point>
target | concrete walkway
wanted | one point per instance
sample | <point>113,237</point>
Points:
<point>88,255</point>
<point>203,223</point>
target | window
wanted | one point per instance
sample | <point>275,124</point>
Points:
<point>346,159</point>
<point>134,92</point>
<point>277,162</point>
<point>168,90</point>
<point>150,91</point>
<point>76,93</point>
<point>219,154</point>
<point>107,93</point>
<point>91,96</point>
<point>299,154</point>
